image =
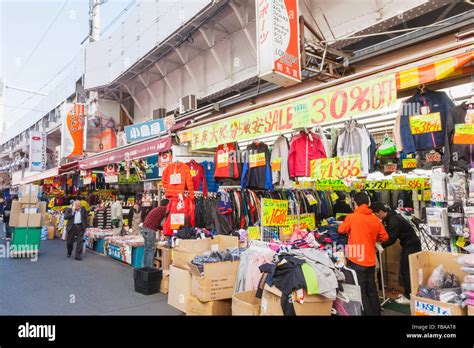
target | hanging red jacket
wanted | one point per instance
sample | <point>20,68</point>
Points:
<point>177,178</point>
<point>180,213</point>
<point>227,166</point>
<point>198,176</point>
<point>304,148</point>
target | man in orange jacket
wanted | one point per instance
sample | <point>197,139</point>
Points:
<point>364,230</point>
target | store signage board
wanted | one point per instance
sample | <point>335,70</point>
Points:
<point>132,179</point>
<point>306,221</point>
<point>152,167</point>
<point>121,253</point>
<point>141,131</point>
<point>278,43</point>
<point>336,167</point>
<point>275,212</point>
<point>111,173</point>
<point>425,123</point>
<point>72,132</point>
<point>37,151</point>
<point>144,149</point>
<point>311,110</point>
<point>463,134</point>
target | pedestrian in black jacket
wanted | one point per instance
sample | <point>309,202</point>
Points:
<point>76,217</point>
<point>399,228</point>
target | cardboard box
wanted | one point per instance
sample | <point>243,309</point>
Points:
<point>179,288</point>
<point>313,304</point>
<point>29,194</point>
<point>422,265</point>
<point>470,310</point>
<point>164,257</point>
<point>196,307</point>
<point>15,213</point>
<point>217,281</point>
<point>165,282</point>
<point>50,232</point>
<point>187,249</point>
<point>29,220</point>
<point>245,303</point>
<point>30,210</point>
<point>392,266</point>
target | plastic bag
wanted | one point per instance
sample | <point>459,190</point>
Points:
<point>426,292</point>
<point>436,278</point>
<point>388,147</point>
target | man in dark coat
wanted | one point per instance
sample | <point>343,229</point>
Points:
<point>76,217</point>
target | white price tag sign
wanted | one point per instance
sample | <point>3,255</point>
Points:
<point>177,219</point>
<point>175,179</point>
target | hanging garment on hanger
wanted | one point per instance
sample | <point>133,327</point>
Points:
<point>302,151</point>
<point>198,176</point>
<point>436,102</point>
<point>457,155</point>
<point>396,130</point>
<point>280,152</point>
<point>209,168</point>
<point>256,172</point>
<point>176,179</point>
<point>326,143</point>
<point>227,165</point>
<point>354,139</point>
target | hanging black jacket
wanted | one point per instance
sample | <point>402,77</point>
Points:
<point>457,156</point>
<point>259,176</point>
<point>398,228</point>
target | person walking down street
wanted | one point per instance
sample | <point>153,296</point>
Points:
<point>6,214</point>
<point>399,228</point>
<point>364,230</point>
<point>117,214</point>
<point>2,218</point>
<point>76,217</point>
<point>151,225</point>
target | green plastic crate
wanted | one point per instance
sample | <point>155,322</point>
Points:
<point>26,241</point>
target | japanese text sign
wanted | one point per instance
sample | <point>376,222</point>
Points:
<point>72,134</point>
<point>144,130</point>
<point>307,111</point>
<point>336,167</point>
<point>428,123</point>
<point>274,212</point>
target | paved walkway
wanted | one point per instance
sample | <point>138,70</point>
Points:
<point>98,284</point>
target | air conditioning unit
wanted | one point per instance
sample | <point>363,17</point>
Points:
<point>159,113</point>
<point>188,103</point>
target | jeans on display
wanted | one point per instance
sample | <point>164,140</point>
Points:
<point>368,288</point>
<point>150,247</point>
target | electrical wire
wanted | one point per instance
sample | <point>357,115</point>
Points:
<point>130,4</point>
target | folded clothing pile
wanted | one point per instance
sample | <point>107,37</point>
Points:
<point>192,233</point>
<point>130,240</point>
<point>442,286</point>
<point>98,233</point>
<point>467,265</point>
<point>231,254</point>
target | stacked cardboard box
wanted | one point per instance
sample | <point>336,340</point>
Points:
<point>28,212</point>
<point>392,266</point>
<point>196,295</point>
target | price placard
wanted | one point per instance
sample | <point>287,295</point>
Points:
<point>276,165</point>
<point>275,212</point>
<point>463,134</point>
<point>257,160</point>
<point>336,167</point>
<point>409,163</point>
<point>253,232</point>
<point>222,159</point>
<point>429,123</point>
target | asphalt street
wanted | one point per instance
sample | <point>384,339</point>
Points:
<point>57,285</point>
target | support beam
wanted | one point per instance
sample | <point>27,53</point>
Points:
<point>165,77</point>
<point>186,66</point>
<point>446,11</point>
<point>213,51</point>
<point>145,84</point>
<point>127,113</point>
<point>135,100</point>
<point>243,24</point>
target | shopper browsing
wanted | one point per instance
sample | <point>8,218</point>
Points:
<point>364,230</point>
<point>76,217</point>
<point>6,214</point>
<point>341,207</point>
<point>135,218</point>
<point>399,228</point>
<point>151,225</point>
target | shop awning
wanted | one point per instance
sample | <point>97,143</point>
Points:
<point>442,69</point>
<point>40,176</point>
<point>129,152</point>
<point>69,167</point>
<point>180,125</point>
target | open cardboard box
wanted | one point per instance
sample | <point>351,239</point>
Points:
<point>313,304</point>
<point>245,303</point>
<point>219,307</point>
<point>422,265</point>
<point>187,249</point>
<point>217,281</point>
<point>179,288</point>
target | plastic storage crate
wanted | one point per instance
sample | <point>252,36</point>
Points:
<point>147,281</point>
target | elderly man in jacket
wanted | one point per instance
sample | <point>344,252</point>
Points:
<point>76,217</point>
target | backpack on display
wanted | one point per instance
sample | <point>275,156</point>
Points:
<point>388,147</point>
